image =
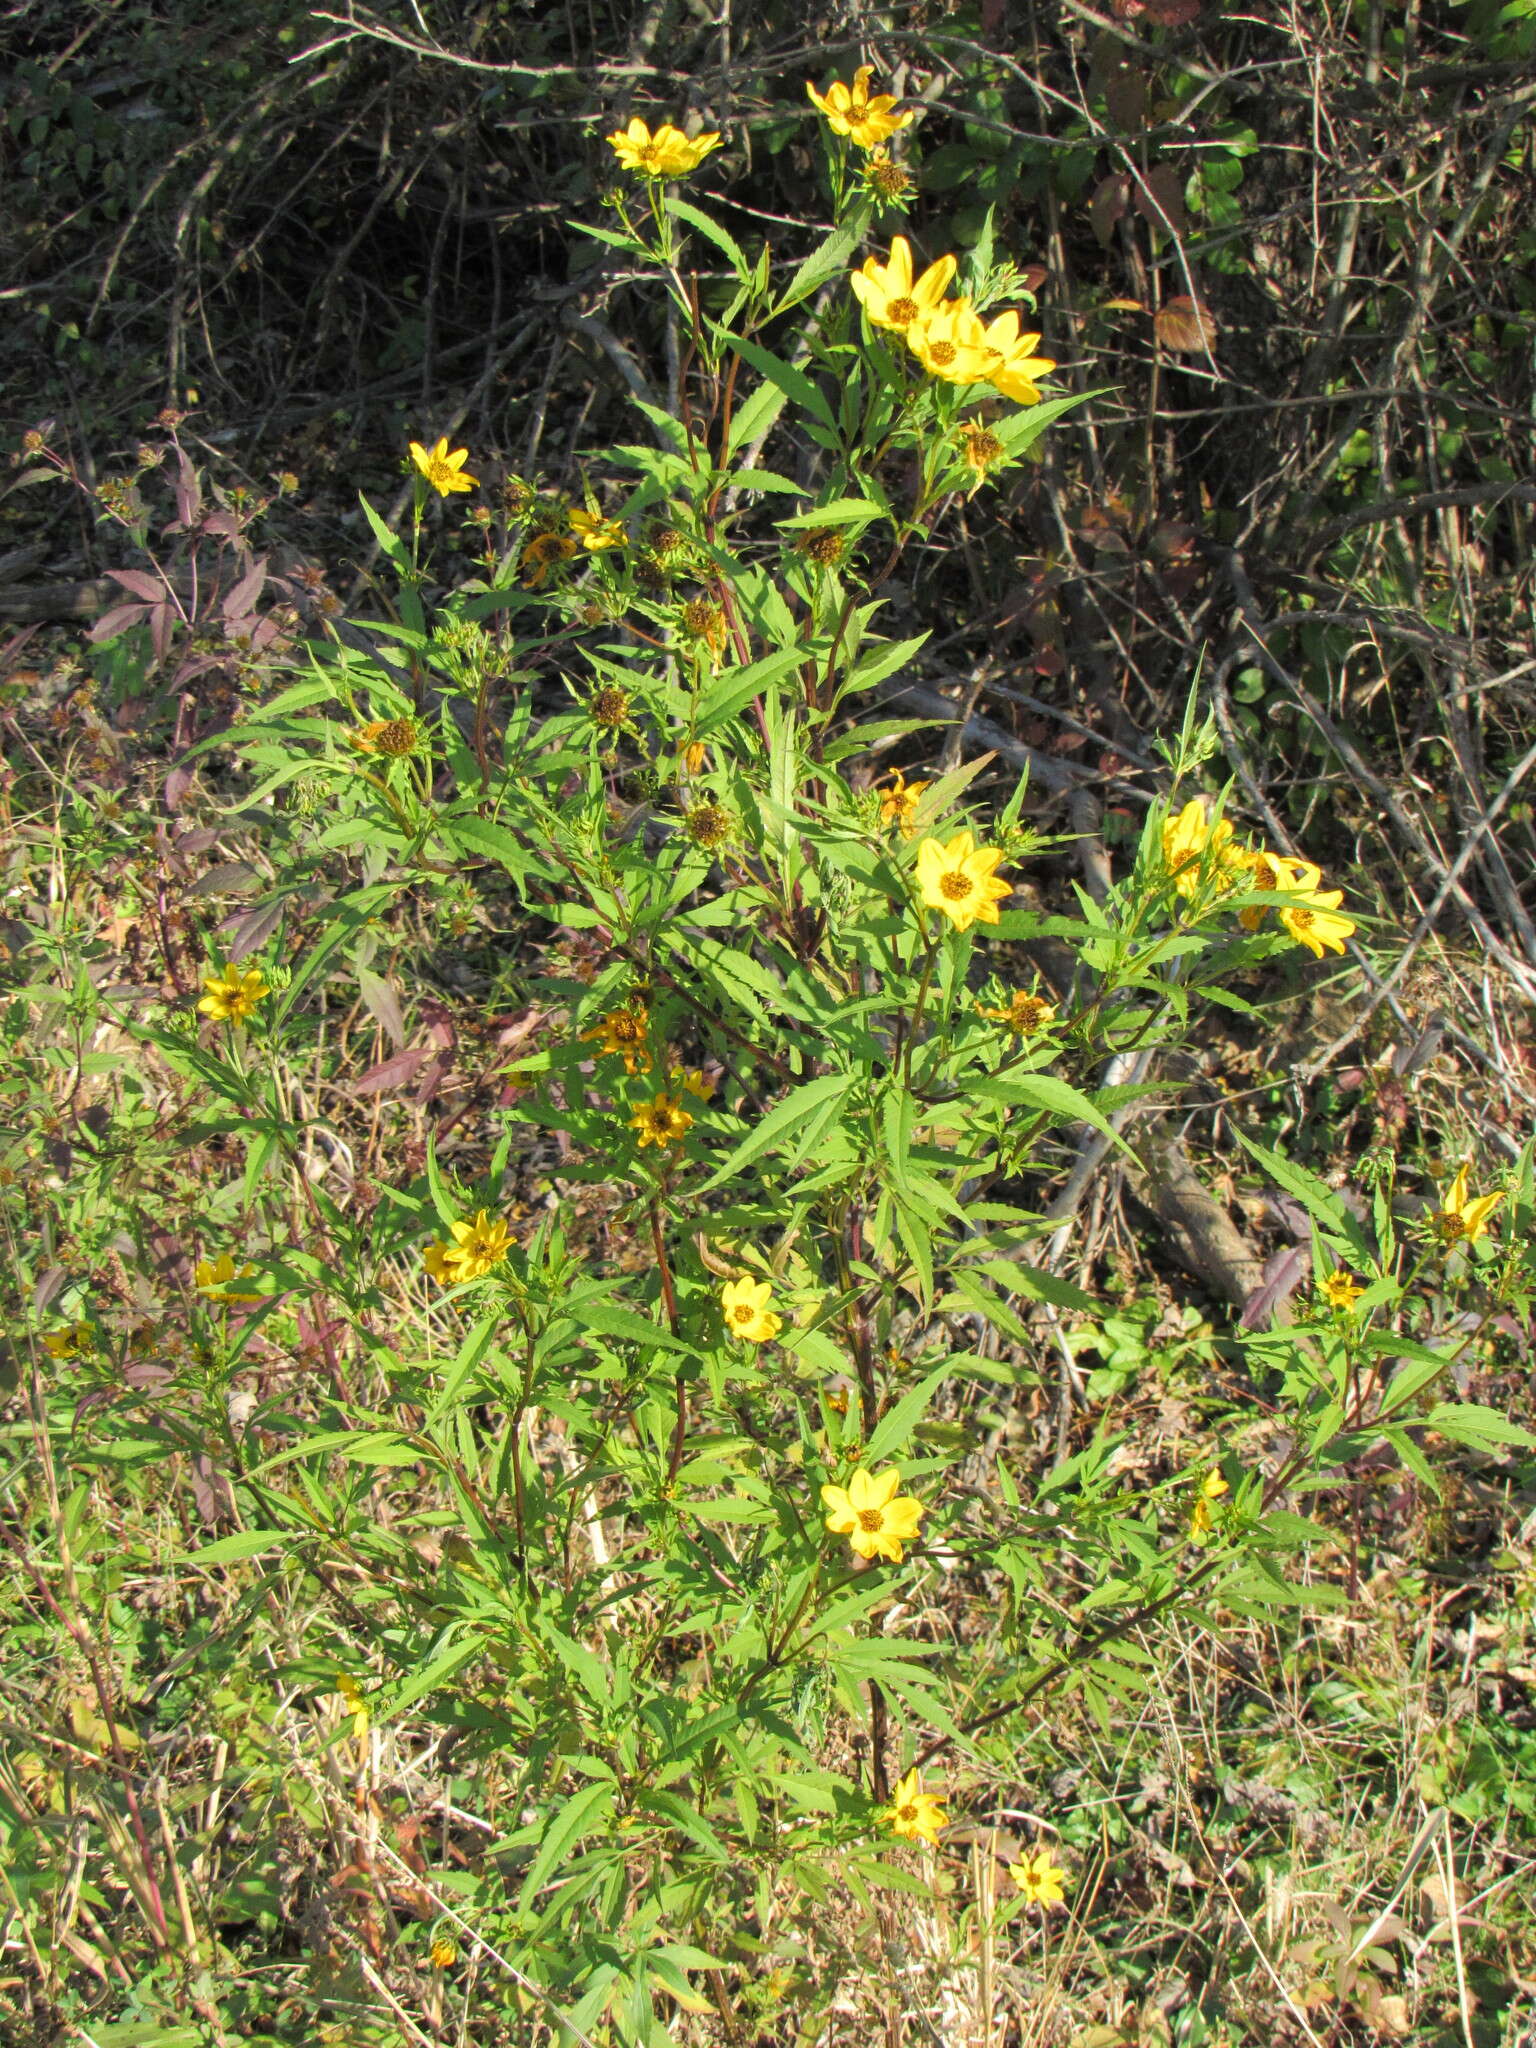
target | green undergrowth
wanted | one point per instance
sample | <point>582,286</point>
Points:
<point>562,1481</point>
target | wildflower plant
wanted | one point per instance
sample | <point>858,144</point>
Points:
<point>709,1330</point>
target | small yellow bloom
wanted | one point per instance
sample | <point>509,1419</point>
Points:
<point>478,1247</point>
<point>950,342</point>
<point>1192,845</point>
<point>596,533</point>
<point>668,153</point>
<point>1340,1290</point>
<point>350,1694</point>
<point>1255,867</point>
<point>624,1032</point>
<point>886,182</point>
<point>444,1954</point>
<point>444,472</point>
<point>231,997</point>
<point>1017,371</point>
<point>1311,917</point>
<point>888,293</point>
<point>747,1314</point>
<point>68,1342</point>
<point>661,1121</point>
<point>871,1512</point>
<point>898,804</point>
<point>914,1814</point>
<point>959,879</point>
<point>541,555</point>
<point>1039,1878</point>
<point>435,1258</point>
<point>851,111</point>
<point>217,1277</point>
<point>693,1080</point>
<point>1457,1219</point>
<point>1201,1520</point>
<point>1023,1013</point>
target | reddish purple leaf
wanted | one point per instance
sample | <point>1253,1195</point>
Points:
<point>249,930</point>
<point>140,583</point>
<point>245,593</point>
<point>1283,1274</point>
<point>395,1072</point>
<point>117,620</point>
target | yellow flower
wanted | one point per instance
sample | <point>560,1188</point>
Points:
<point>444,1954</point>
<point>1312,917</point>
<point>350,1694</point>
<point>596,533</point>
<point>624,1032</point>
<point>444,472</point>
<point>747,1314</point>
<point>1039,1878</point>
<point>913,1813</point>
<point>850,110</point>
<point>886,182</point>
<point>667,154</point>
<point>1257,868</point>
<point>950,342</point>
<point>898,804</point>
<point>872,1514</point>
<point>1201,1520</point>
<point>68,1342</point>
<point>1457,1218</point>
<point>216,1278</point>
<point>693,1080</point>
<point>541,555</point>
<point>435,1258</point>
<point>1024,1014</point>
<point>231,997</point>
<point>478,1246</point>
<point>888,294</point>
<point>1191,843</point>
<point>1340,1290</point>
<point>1018,369</point>
<point>661,1121</point>
<point>959,879</point>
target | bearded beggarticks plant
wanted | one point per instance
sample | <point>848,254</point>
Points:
<point>1040,1879</point>
<point>648,744</point>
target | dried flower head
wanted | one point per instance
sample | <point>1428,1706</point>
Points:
<point>887,182</point>
<point>824,547</point>
<point>608,707</point>
<point>979,447</point>
<point>708,825</point>
<point>699,619</point>
<point>1023,1013</point>
<point>392,736</point>
<point>541,554</point>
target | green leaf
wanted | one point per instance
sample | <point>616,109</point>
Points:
<point>894,1429</point>
<point>824,261</point>
<point>792,382</point>
<point>713,232</point>
<point>1315,1196</point>
<point>580,1815</point>
<point>231,1549</point>
<point>1467,1422</point>
<point>790,1118</point>
<point>1059,1099</point>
